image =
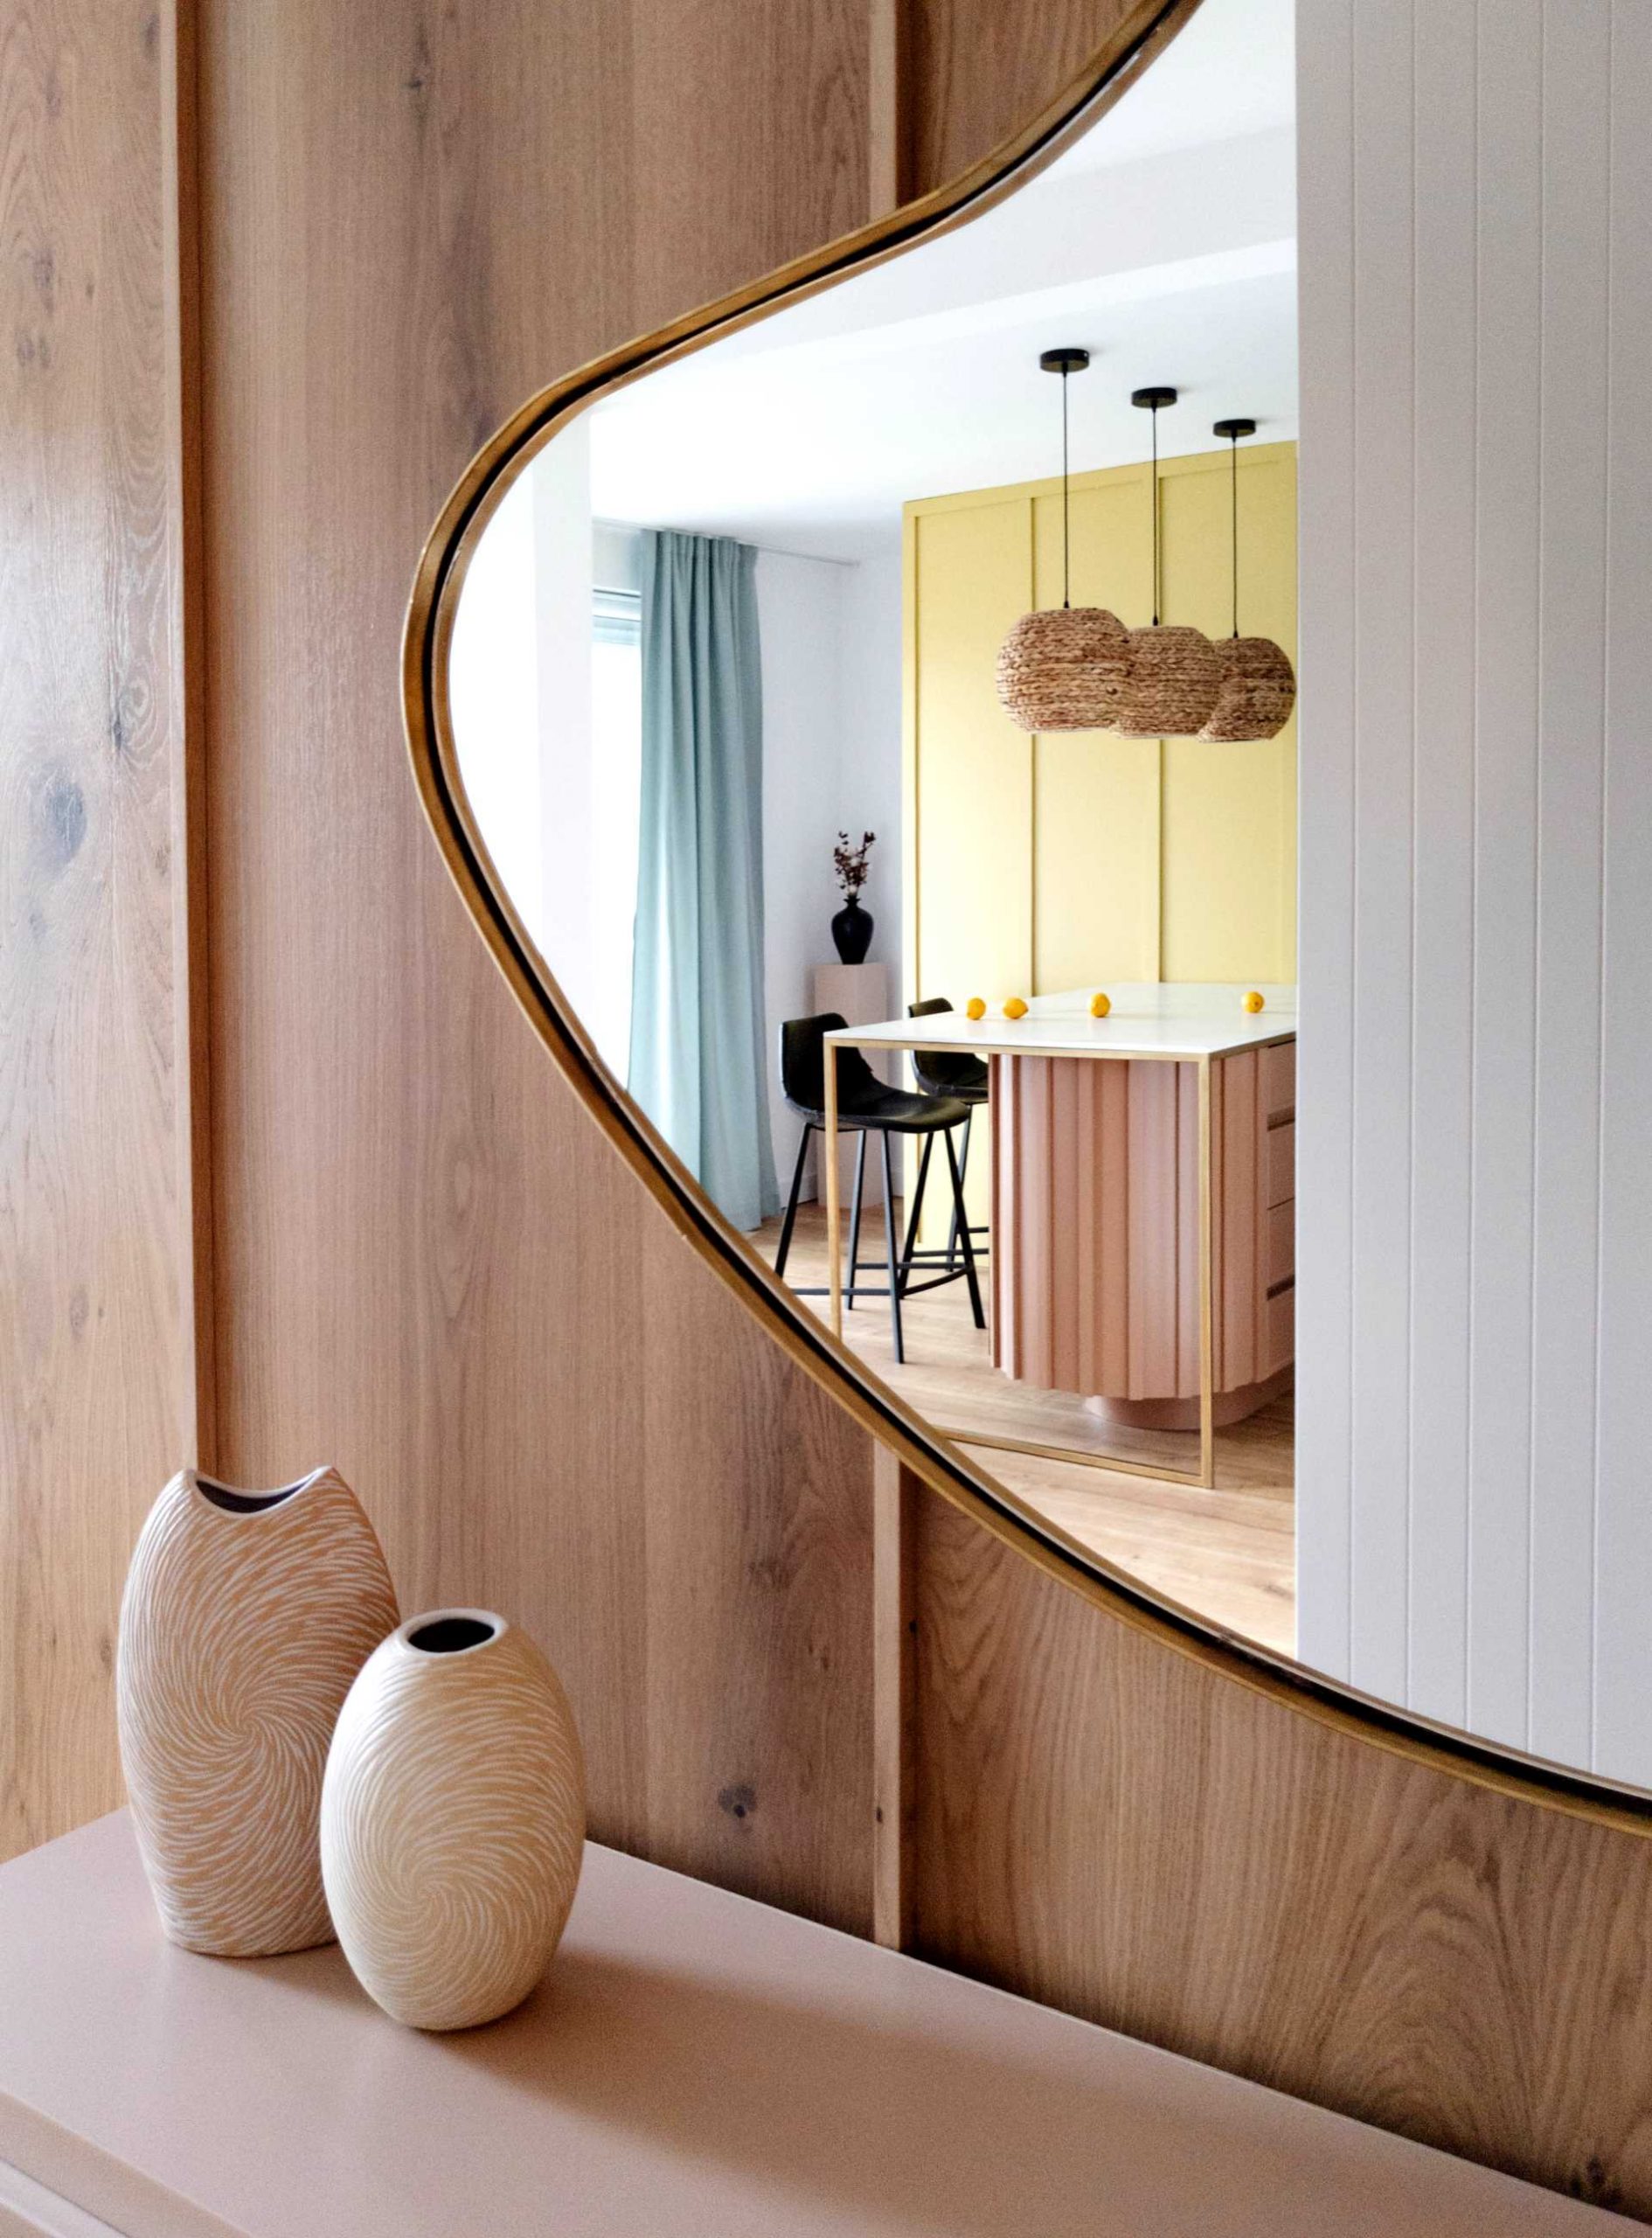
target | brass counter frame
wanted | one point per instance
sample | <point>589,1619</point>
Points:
<point>1203,1477</point>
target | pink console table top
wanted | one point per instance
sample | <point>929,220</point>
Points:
<point>694,2064</point>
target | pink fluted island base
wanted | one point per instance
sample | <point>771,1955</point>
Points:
<point>1095,1223</point>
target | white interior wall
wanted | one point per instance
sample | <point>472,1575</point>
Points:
<point>1475,1110</point>
<point>560,480</point>
<point>800,605</point>
<point>831,762</point>
<point>831,653</point>
<point>494,694</point>
<point>869,782</point>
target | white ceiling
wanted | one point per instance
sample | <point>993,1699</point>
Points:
<point>1164,242</point>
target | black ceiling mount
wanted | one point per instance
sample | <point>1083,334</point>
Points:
<point>1070,360</point>
<point>1230,430</point>
<point>1151,399</point>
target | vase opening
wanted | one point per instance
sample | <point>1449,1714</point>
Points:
<point>452,1635</point>
<point>233,1503</point>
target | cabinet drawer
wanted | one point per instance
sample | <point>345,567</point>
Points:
<point>1282,1163</point>
<point>1278,1078</point>
<point>1280,1258</point>
<point>1282,1332</point>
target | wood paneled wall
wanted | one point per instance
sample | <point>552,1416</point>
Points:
<point>95,1249</point>
<point>410,219</point>
<point>430,1269</point>
<point>968,66</point>
<point>1113,1828</point>
<point>1476,1096</point>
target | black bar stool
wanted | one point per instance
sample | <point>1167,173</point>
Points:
<point>866,1107</point>
<point>956,1074</point>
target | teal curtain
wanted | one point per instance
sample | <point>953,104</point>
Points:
<point>699,1064</point>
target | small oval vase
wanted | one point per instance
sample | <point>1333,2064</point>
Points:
<point>246,1617</point>
<point>453,1819</point>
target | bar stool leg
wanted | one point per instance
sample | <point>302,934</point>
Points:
<point>790,1220</point>
<point>961,1218</point>
<point>916,1212</point>
<point>854,1220</point>
<point>890,1249</point>
<point>963,1165</point>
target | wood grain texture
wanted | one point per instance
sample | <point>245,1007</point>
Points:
<point>1113,1830</point>
<point>93,1126</point>
<point>894,1667</point>
<point>973,71</point>
<point>428,1259</point>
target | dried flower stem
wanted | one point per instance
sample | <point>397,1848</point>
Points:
<point>850,864</point>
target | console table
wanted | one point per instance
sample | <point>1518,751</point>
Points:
<point>694,2065</point>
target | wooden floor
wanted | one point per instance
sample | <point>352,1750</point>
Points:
<point>1229,1553</point>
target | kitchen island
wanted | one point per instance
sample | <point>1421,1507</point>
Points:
<point>1141,1200</point>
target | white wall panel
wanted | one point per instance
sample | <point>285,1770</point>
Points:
<point>1327,528</point>
<point>1623,1635</point>
<point>1474,1126</point>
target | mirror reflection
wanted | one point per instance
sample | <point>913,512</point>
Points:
<point>882,721</point>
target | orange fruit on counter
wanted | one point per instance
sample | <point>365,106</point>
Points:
<point>1099,1006</point>
<point>1015,1007</point>
<point>975,1007</point>
<point>1253,1001</point>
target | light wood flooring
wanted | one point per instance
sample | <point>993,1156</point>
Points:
<point>1229,1553</point>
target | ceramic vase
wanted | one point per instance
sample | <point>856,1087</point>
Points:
<point>852,931</point>
<point>453,1819</point>
<point>246,1617</point>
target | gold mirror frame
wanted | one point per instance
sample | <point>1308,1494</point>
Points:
<point>934,1459</point>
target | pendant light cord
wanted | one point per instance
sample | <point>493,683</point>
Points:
<point>1234,483</point>
<point>1066,584</point>
<point>1156,517</point>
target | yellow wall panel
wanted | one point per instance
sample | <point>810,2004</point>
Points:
<point>1095,797</point>
<point>1037,865</point>
<point>969,780</point>
<point>971,574</point>
<point>1228,850</point>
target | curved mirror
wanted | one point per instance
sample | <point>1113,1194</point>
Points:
<point>954,953</point>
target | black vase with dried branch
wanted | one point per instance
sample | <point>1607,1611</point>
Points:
<point>852,926</point>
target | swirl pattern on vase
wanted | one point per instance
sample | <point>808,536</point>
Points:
<point>453,1819</point>
<point>246,1617</point>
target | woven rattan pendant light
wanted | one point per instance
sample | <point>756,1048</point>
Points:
<point>1063,669</point>
<point>1174,676</point>
<point>1259,687</point>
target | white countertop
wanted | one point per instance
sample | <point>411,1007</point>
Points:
<point>1147,1020</point>
<point>694,2065</point>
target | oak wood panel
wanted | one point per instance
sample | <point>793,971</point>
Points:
<point>751,141</point>
<point>894,1665</point>
<point>974,71</point>
<point>1113,1829</point>
<point>94,1348</point>
<point>432,1270</point>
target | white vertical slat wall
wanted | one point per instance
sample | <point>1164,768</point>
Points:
<point>1475,1106</point>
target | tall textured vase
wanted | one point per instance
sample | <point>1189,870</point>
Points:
<point>453,1819</point>
<point>246,1615</point>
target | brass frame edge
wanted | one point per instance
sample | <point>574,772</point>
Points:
<point>932,1457</point>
